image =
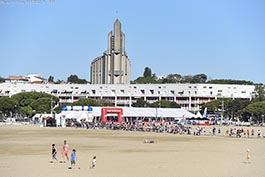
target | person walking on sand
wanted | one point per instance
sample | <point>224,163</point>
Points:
<point>73,159</point>
<point>54,152</point>
<point>93,163</point>
<point>65,151</point>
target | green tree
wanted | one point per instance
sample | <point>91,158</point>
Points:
<point>231,108</point>
<point>2,80</point>
<point>75,79</point>
<point>257,110</point>
<point>82,81</point>
<point>199,78</point>
<point>26,110</point>
<point>34,102</point>
<point>58,81</point>
<point>26,98</point>
<point>172,78</point>
<point>234,108</point>
<point>145,80</point>
<point>147,72</point>
<point>51,79</point>
<point>212,106</point>
<point>230,81</point>
<point>8,105</point>
<point>174,105</point>
<point>140,103</point>
<point>259,93</point>
<point>187,79</point>
<point>164,104</point>
<point>41,105</point>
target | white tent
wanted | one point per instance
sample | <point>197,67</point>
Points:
<point>150,112</point>
<point>78,115</point>
<point>128,112</point>
<point>198,115</point>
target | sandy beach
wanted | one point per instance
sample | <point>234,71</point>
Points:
<point>25,151</point>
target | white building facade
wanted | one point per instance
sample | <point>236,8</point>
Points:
<point>188,96</point>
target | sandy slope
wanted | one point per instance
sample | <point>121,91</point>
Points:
<point>25,151</point>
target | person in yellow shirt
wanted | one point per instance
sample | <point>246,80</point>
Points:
<point>248,156</point>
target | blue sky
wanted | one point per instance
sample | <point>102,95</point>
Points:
<point>224,39</point>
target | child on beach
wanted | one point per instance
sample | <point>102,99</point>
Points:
<point>93,163</point>
<point>65,151</point>
<point>54,152</point>
<point>248,156</point>
<point>73,159</point>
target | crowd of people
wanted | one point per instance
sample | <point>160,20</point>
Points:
<point>173,128</point>
<point>243,132</point>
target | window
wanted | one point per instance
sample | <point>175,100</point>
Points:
<point>172,91</point>
<point>152,91</point>
<point>220,91</point>
<point>181,92</point>
<point>142,91</point>
<point>93,91</point>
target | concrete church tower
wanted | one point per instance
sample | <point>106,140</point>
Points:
<point>114,66</point>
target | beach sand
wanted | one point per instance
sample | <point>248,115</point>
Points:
<point>25,151</point>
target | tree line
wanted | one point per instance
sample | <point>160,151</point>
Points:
<point>27,104</point>
<point>71,79</point>
<point>150,78</point>
<point>241,108</point>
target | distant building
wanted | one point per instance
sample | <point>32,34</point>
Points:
<point>113,67</point>
<point>16,79</point>
<point>32,78</point>
<point>188,96</point>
